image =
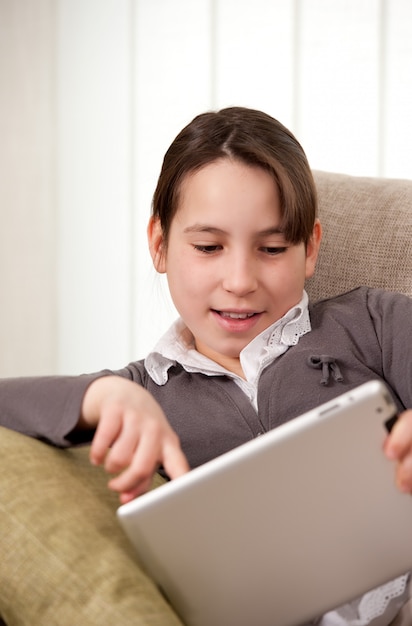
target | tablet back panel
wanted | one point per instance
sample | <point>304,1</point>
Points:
<point>283,528</point>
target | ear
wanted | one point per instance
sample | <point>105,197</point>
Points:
<point>312,249</point>
<point>156,244</point>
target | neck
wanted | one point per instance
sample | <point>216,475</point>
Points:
<point>232,364</point>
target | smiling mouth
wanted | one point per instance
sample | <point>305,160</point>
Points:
<point>235,316</point>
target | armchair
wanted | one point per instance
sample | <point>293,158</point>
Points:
<point>64,558</point>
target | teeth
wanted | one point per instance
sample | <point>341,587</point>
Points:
<point>236,316</point>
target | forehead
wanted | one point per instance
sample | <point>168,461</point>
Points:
<point>228,183</point>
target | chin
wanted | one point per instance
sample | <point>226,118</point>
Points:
<point>233,352</point>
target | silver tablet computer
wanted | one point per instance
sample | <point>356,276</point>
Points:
<point>283,528</point>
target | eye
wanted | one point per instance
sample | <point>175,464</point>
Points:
<point>273,250</point>
<point>207,249</point>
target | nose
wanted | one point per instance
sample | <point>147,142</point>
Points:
<point>240,276</point>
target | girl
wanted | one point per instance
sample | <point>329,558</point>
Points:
<point>234,227</point>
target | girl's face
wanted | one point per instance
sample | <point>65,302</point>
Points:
<point>230,271</point>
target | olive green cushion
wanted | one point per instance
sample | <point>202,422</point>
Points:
<point>64,559</point>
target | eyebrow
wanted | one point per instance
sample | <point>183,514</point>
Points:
<point>206,228</point>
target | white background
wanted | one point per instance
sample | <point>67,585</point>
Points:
<point>123,77</point>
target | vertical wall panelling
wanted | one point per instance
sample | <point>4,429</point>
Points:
<point>93,183</point>
<point>27,188</point>
<point>81,158</point>
<point>397,98</point>
<point>382,84</point>
<point>255,55</point>
<point>339,72</point>
<point>173,76</point>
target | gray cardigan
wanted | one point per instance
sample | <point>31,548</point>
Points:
<point>361,335</point>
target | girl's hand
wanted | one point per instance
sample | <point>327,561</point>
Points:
<point>398,447</point>
<point>133,436</point>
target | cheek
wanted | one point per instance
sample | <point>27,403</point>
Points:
<point>302,264</point>
<point>180,275</point>
<point>190,283</point>
<point>293,275</point>
<point>294,265</point>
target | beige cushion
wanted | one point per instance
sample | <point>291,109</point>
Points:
<point>63,558</point>
<point>367,234</point>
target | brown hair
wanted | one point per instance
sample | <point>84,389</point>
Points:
<point>254,138</point>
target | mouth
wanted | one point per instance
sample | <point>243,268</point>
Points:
<point>233,315</point>
<point>237,321</point>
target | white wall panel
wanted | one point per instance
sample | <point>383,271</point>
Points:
<point>339,73</point>
<point>94,199</point>
<point>131,73</point>
<point>254,55</point>
<point>27,188</point>
<point>173,78</point>
<point>397,95</point>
